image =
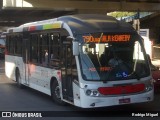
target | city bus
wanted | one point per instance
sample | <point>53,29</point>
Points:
<point>85,60</point>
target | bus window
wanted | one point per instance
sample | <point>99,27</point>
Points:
<point>54,50</point>
<point>18,45</point>
<point>40,52</point>
<point>44,49</point>
<point>7,43</point>
<point>34,48</point>
<point>138,53</point>
<point>12,45</point>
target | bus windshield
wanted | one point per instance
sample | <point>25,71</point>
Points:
<point>112,57</point>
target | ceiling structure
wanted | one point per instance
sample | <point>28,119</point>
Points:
<point>17,12</point>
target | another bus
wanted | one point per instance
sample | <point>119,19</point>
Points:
<point>85,60</point>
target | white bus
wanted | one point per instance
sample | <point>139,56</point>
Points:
<point>85,60</point>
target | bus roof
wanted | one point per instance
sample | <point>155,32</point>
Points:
<point>90,23</point>
<point>78,24</point>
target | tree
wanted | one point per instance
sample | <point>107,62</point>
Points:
<point>121,14</point>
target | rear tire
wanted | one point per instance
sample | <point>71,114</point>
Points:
<point>55,93</point>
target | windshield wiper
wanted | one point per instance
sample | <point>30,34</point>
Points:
<point>134,70</point>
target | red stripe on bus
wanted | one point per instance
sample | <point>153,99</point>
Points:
<point>121,89</point>
<point>32,28</point>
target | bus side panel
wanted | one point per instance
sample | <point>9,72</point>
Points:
<point>11,63</point>
<point>76,95</point>
<point>10,66</point>
<point>40,77</point>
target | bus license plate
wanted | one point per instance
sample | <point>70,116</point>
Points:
<point>124,101</point>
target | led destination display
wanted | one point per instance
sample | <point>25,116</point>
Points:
<point>107,38</point>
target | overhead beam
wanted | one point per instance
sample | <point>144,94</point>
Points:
<point>18,17</point>
<point>93,5</point>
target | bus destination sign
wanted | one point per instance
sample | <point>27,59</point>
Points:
<point>107,38</point>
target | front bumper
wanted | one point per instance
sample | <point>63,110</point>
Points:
<point>90,102</point>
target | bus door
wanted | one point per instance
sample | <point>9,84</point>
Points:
<point>26,60</point>
<point>67,71</point>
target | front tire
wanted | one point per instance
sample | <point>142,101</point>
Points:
<point>55,93</point>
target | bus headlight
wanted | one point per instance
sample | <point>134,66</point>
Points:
<point>88,92</point>
<point>95,93</point>
<point>92,92</point>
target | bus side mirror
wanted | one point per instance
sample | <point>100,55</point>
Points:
<point>75,48</point>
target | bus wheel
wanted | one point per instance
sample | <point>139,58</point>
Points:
<point>55,93</point>
<point>18,79</point>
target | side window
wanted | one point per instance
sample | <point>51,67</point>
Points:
<point>54,49</point>
<point>138,53</point>
<point>40,50</point>
<point>8,44</point>
<point>55,46</point>
<point>44,49</point>
<point>34,48</point>
<point>18,44</point>
<point>12,45</point>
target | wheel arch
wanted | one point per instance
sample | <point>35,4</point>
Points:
<point>51,82</point>
<point>52,90</point>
